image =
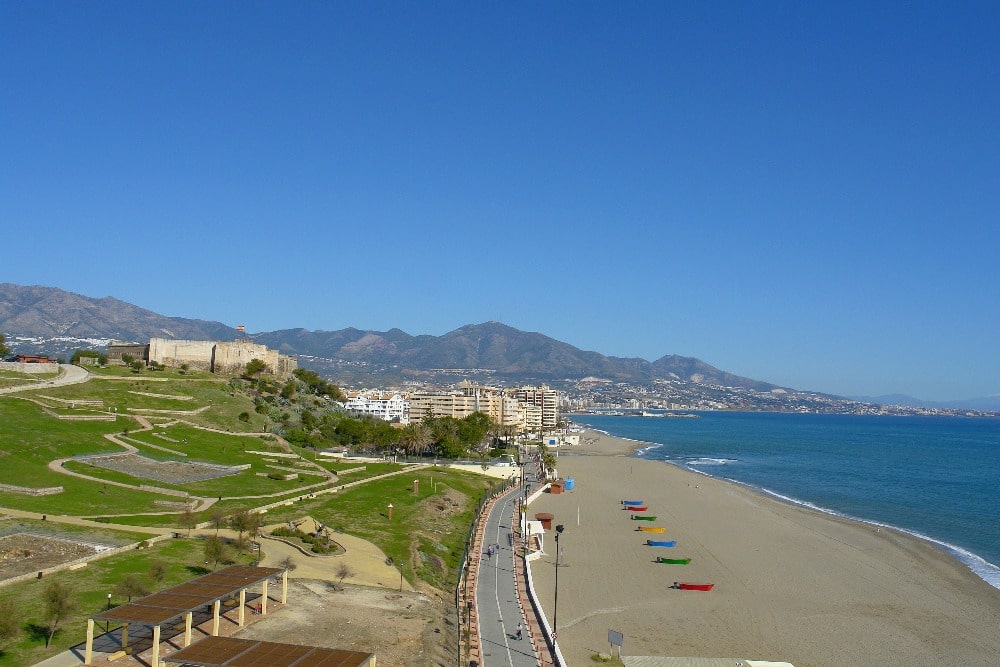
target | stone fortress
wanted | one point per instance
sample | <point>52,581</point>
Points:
<point>222,357</point>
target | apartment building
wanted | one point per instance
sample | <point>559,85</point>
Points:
<point>546,400</point>
<point>386,406</point>
<point>496,403</point>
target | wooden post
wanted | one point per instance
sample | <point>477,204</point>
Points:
<point>215,617</point>
<point>155,661</point>
<point>88,654</point>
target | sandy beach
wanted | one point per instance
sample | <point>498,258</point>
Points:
<point>791,583</point>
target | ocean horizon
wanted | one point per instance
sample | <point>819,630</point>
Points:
<point>933,477</point>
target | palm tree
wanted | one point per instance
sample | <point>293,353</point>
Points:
<point>415,439</point>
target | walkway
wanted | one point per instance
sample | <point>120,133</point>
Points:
<point>501,599</point>
<point>68,374</point>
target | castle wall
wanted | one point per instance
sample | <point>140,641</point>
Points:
<point>231,357</point>
<point>225,357</point>
<point>197,354</point>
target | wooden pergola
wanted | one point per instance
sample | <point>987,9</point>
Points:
<point>183,600</point>
<point>233,652</point>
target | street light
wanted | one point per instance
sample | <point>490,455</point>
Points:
<point>107,623</point>
<point>555,607</point>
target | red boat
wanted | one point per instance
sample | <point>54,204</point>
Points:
<point>634,508</point>
<point>693,587</point>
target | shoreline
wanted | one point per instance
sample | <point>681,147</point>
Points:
<point>792,582</point>
<point>987,571</point>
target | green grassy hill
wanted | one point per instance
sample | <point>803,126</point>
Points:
<point>170,420</point>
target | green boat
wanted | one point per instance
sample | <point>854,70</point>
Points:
<point>641,517</point>
<point>673,561</point>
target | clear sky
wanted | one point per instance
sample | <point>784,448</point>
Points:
<point>803,193</point>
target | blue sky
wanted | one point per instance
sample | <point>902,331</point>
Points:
<point>803,193</point>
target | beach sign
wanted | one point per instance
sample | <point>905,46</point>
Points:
<point>616,638</point>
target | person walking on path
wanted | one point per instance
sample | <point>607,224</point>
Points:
<point>519,629</point>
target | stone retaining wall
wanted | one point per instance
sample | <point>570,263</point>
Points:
<point>33,369</point>
<point>29,491</point>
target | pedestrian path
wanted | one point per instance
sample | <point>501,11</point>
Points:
<point>502,606</point>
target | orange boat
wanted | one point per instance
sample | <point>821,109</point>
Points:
<point>652,529</point>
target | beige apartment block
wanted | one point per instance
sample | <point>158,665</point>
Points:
<point>545,399</point>
<point>521,409</point>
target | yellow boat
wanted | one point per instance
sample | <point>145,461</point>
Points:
<point>652,529</point>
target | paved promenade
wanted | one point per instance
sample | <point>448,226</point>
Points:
<point>501,597</point>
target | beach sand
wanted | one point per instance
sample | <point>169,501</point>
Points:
<point>790,583</point>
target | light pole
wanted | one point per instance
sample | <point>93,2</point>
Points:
<point>107,623</point>
<point>555,606</point>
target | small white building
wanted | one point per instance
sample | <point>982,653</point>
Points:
<point>388,407</point>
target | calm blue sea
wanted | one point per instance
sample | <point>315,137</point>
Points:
<point>935,477</point>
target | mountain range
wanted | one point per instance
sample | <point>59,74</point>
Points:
<point>48,320</point>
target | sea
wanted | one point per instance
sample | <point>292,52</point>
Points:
<point>937,478</point>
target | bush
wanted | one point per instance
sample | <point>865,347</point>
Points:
<point>318,544</point>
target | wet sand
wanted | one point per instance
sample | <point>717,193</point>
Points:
<point>791,583</point>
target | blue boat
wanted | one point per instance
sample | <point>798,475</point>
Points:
<point>627,503</point>
<point>660,543</point>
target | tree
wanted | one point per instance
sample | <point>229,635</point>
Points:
<point>127,359</point>
<point>4,350</point>
<point>10,618</point>
<point>472,430</point>
<point>254,368</point>
<point>215,550</point>
<point>188,519</point>
<point>217,518</point>
<point>415,438</point>
<point>549,463</point>
<point>130,586</point>
<point>58,604</point>
<point>288,563</point>
<point>245,522</point>
<point>157,572</point>
<point>343,572</point>
<point>136,366</point>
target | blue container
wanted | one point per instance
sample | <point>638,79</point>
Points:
<point>570,483</point>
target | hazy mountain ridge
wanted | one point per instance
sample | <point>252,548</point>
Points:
<point>46,313</point>
<point>47,320</point>
<point>508,352</point>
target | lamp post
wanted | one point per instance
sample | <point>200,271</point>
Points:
<point>107,623</point>
<point>555,606</point>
